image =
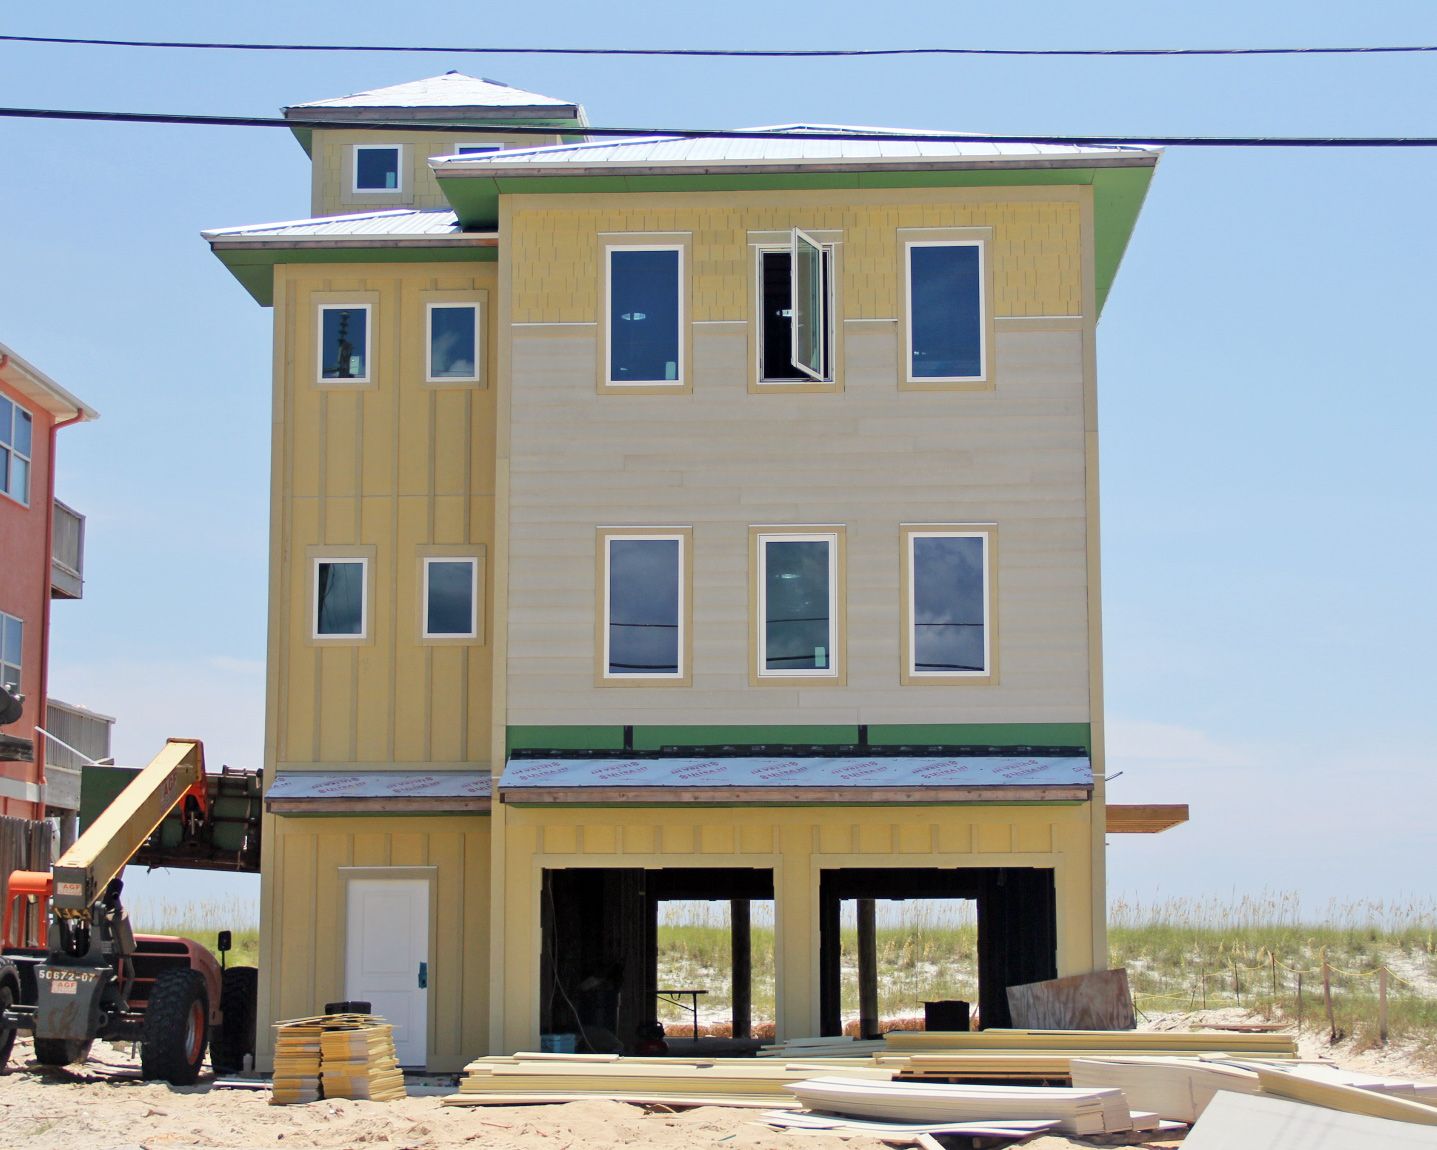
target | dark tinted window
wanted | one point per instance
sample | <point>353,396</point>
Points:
<point>643,607</point>
<point>797,606</point>
<point>449,609</point>
<point>945,311</point>
<point>344,343</point>
<point>339,605</point>
<point>949,604</point>
<point>643,316</point>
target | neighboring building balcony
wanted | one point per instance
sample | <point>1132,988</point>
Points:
<point>67,554</point>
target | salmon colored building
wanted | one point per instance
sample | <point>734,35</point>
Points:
<point>33,573</point>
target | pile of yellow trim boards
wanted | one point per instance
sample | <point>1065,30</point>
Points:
<point>335,1056</point>
<point>1003,1084</point>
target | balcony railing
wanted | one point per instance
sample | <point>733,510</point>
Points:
<point>67,554</point>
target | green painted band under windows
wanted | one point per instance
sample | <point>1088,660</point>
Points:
<point>606,738</point>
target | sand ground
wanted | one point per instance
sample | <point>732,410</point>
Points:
<point>104,1105</point>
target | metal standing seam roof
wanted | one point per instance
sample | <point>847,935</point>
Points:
<point>658,151</point>
<point>396,223</point>
<point>452,90</point>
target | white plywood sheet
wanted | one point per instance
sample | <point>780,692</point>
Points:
<point>1260,1122</point>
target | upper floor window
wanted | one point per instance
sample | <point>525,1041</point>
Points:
<point>644,584</point>
<point>344,342</point>
<point>795,294</point>
<point>949,606</point>
<point>340,598</point>
<point>476,149</point>
<point>645,327</point>
<point>797,577</point>
<point>454,345</point>
<point>17,428</point>
<point>451,598</point>
<point>12,645</point>
<point>946,330</point>
<point>377,168</point>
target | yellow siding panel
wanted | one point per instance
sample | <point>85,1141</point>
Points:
<point>1033,838</point>
<point>716,840</point>
<point>995,838</point>
<point>915,838</point>
<point>601,840</point>
<point>874,838</point>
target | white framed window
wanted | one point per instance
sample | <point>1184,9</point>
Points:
<point>451,597</point>
<point>796,313</point>
<point>950,604</point>
<point>454,342</point>
<point>644,303</point>
<point>797,596</point>
<point>12,650</point>
<point>476,149</point>
<point>17,434</point>
<point>344,343</point>
<point>378,168</point>
<point>644,606</point>
<point>946,323</point>
<point>341,598</point>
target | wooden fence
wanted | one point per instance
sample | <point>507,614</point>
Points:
<point>24,845</point>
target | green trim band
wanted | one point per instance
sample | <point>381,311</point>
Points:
<point>254,267</point>
<point>606,738</point>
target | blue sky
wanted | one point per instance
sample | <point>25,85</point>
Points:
<point>1265,373</point>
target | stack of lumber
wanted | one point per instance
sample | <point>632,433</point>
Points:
<point>1381,1084</point>
<point>1073,1111</point>
<point>1176,1089</point>
<point>896,1131</point>
<point>833,1046</point>
<point>335,1056</point>
<point>526,1078</point>
<point>1352,1099</point>
<point>296,1062</point>
<point>1237,1122</point>
<point>359,1062</point>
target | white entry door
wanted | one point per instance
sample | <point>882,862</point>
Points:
<point>387,958</point>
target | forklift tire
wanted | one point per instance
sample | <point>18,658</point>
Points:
<point>175,1032</point>
<point>235,1035</point>
<point>7,1036</point>
<point>61,1051</point>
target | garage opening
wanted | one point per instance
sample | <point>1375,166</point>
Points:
<point>600,984</point>
<point>1013,908</point>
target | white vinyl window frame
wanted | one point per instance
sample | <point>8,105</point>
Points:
<point>335,637</point>
<point>344,381</point>
<point>835,672</point>
<point>985,334</point>
<point>681,381</point>
<point>398,189</point>
<point>810,382</point>
<point>475,306</point>
<point>473,631</point>
<point>910,674</point>
<point>11,672</point>
<point>9,444</point>
<point>683,677</point>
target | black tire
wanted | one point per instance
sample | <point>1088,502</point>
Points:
<point>7,1034</point>
<point>175,1033</point>
<point>235,1035</point>
<point>61,1051</point>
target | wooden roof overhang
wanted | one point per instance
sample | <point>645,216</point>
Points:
<point>1145,819</point>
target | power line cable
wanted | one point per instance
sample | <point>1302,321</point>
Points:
<point>761,53</point>
<point>734,133</point>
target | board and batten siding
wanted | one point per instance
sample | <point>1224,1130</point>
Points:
<point>395,470</point>
<point>306,931</point>
<point>869,457</point>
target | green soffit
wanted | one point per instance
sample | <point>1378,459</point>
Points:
<point>254,267</point>
<point>1117,194</point>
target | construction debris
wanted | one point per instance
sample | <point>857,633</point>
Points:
<point>1099,1001</point>
<point>1241,1122</point>
<point>896,1131</point>
<point>335,1056</point>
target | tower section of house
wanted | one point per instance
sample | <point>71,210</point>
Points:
<point>797,575</point>
<point>42,544</point>
<point>379,726</point>
<point>668,519</point>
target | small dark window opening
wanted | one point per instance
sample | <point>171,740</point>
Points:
<point>776,352</point>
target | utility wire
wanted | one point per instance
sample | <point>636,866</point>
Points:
<point>734,133</point>
<point>765,53</point>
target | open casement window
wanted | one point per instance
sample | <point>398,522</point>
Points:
<point>809,263</point>
<point>797,629</point>
<point>643,621</point>
<point>950,604</point>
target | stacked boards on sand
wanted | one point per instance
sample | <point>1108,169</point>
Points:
<point>335,1056</point>
<point>528,1078</point>
<point>1072,1111</point>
